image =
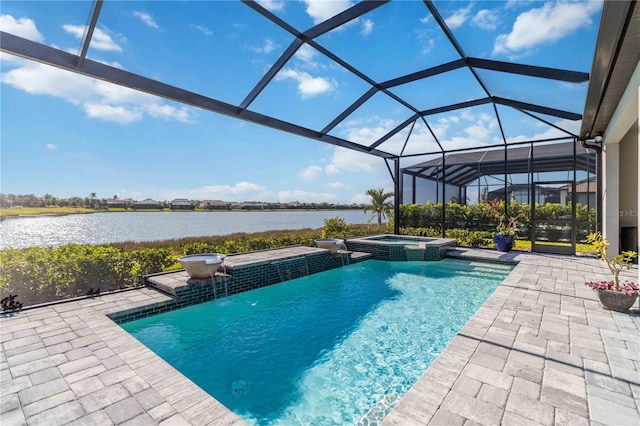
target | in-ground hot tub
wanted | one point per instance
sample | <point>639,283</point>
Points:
<point>202,266</point>
<point>333,244</point>
<point>402,247</point>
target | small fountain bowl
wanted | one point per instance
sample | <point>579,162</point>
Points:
<point>201,266</point>
<point>333,244</point>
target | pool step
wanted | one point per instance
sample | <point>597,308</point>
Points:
<point>379,411</point>
<point>485,265</point>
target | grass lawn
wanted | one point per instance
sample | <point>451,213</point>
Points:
<point>31,211</point>
<point>525,245</point>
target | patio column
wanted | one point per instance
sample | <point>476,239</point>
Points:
<point>611,193</point>
<point>397,196</point>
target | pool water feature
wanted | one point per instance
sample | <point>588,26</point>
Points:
<point>324,349</point>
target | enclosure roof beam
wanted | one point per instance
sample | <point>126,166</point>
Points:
<point>529,70</point>
<point>88,34</point>
<point>28,49</point>
<point>394,131</point>
<point>438,69</point>
<point>347,112</point>
<point>537,108</point>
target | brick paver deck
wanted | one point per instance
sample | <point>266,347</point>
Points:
<point>540,351</point>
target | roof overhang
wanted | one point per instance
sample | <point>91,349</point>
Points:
<point>616,58</point>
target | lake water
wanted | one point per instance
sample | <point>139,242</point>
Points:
<point>105,228</point>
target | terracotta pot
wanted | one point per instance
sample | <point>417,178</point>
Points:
<point>615,300</point>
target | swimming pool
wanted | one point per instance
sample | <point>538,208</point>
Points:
<point>328,348</point>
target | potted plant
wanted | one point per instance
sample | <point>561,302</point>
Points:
<point>506,229</point>
<point>612,294</point>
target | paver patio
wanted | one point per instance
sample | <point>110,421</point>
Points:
<point>541,350</point>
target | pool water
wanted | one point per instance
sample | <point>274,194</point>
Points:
<point>324,349</point>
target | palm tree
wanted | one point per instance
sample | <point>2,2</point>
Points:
<point>92,198</point>
<point>379,203</point>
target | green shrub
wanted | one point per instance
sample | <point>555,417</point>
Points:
<point>336,227</point>
<point>479,239</point>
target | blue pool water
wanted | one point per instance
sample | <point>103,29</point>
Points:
<point>323,349</point>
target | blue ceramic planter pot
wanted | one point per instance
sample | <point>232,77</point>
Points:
<point>503,242</point>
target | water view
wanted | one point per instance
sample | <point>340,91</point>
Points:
<point>105,228</point>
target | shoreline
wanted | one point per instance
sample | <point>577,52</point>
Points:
<point>48,212</point>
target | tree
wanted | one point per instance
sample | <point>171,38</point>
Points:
<point>379,203</point>
<point>92,200</point>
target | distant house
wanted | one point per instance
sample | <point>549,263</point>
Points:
<point>253,205</point>
<point>521,193</point>
<point>214,205</point>
<point>585,192</point>
<point>146,204</point>
<point>181,204</point>
<point>116,204</point>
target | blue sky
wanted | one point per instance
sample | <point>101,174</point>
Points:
<point>68,135</point>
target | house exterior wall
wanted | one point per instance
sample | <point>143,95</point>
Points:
<point>629,178</point>
<point>621,162</point>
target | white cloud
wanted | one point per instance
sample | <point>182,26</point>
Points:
<point>458,18</point>
<point>552,132</point>
<point>100,40</point>
<point>307,56</point>
<point>97,98</point>
<point>485,19</point>
<point>146,19</point>
<point>119,114</point>
<point>471,129</point>
<point>304,196</point>
<point>366,132</point>
<point>347,160</point>
<point>367,27</point>
<point>308,86</point>
<point>51,147</point>
<point>428,46</point>
<point>360,199</point>
<point>336,185</point>
<point>241,191</point>
<point>22,27</point>
<point>320,11</point>
<point>168,112</point>
<point>204,30</point>
<point>268,46</point>
<point>272,5</point>
<point>546,24</point>
<point>310,173</point>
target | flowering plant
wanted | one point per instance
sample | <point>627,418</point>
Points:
<point>336,227</point>
<point>627,287</point>
<point>616,264</point>
<point>506,225</point>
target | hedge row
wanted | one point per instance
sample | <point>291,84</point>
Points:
<point>481,217</point>
<point>39,274</point>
